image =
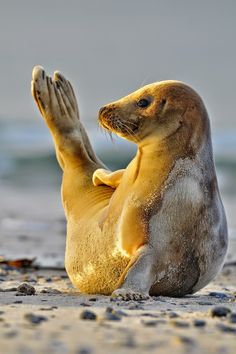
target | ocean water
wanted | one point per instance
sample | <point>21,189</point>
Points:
<point>30,173</point>
<point>27,153</point>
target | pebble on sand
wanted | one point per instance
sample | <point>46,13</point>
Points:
<point>114,315</point>
<point>26,289</point>
<point>173,315</point>
<point>153,323</point>
<point>35,319</point>
<point>93,299</point>
<point>182,340</point>
<point>84,351</point>
<point>199,323</point>
<point>88,315</point>
<point>11,334</point>
<point>180,324</point>
<point>219,295</point>
<point>110,316</point>
<point>51,291</point>
<point>220,311</point>
<point>232,317</point>
<point>224,328</point>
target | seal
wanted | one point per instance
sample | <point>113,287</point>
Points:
<point>157,227</point>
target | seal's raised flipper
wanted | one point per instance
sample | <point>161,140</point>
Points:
<point>57,103</point>
<point>111,179</point>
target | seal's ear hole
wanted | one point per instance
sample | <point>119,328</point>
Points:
<point>162,104</point>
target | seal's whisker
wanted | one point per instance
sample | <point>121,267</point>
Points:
<point>127,129</point>
<point>144,80</point>
<point>130,131</point>
<point>107,133</point>
<point>132,123</point>
<point>103,130</point>
<point>110,136</point>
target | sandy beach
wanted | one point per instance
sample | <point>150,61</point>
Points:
<point>47,315</point>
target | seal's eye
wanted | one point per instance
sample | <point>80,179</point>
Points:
<point>143,103</point>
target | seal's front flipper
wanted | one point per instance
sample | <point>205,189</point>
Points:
<point>111,179</point>
<point>138,277</point>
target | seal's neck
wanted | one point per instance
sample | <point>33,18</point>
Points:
<point>150,161</point>
<point>155,160</point>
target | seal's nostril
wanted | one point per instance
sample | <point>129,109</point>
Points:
<point>101,110</point>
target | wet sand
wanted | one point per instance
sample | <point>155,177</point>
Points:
<point>55,318</point>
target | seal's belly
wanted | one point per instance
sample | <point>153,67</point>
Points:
<point>99,275</point>
<point>93,260</point>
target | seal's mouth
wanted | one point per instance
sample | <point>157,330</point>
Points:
<point>115,124</point>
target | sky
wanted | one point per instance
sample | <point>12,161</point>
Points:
<point>110,48</point>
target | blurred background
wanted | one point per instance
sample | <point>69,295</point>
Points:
<point>108,49</point>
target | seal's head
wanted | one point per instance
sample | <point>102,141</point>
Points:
<point>157,112</point>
